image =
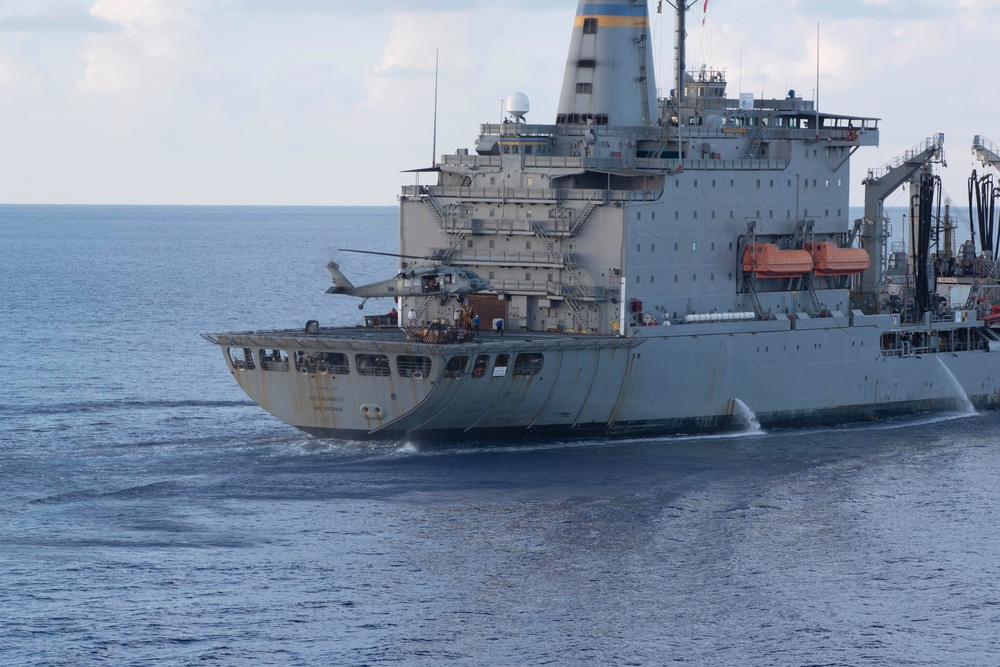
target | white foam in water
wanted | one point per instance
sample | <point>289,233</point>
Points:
<point>746,415</point>
<point>960,395</point>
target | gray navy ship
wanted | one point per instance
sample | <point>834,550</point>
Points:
<point>657,264</point>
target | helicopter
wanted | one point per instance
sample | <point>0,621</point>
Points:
<point>439,279</point>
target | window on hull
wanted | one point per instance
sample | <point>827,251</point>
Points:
<point>411,366</point>
<point>500,365</point>
<point>529,363</point>
<point>241,358</point>
<point>323,363</point>
<point>480,367</point>
<point>456,367</point>
<point>273,360</point>
<point>372,365</point>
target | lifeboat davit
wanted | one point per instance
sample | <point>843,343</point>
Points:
<point>767,260</point>
<point>831,260</point>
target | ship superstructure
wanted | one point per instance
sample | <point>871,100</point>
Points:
<point>657,265</point>
<point>625,197</point>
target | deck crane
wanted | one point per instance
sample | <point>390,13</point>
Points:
<point>879,184</point>
<point>984,191</point>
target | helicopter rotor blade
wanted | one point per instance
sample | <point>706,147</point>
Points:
<point>389,254</point>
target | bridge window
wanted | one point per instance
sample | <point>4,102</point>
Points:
<point>585,88</point>
<point>241,358</point>
<point>413,366</point>
<point>529,363</point>
<point>376,365</point>
<point>274,360</point>
<point>589,26</point>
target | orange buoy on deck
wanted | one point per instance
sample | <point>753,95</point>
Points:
<point>767,260</point>
<point>831,260</point>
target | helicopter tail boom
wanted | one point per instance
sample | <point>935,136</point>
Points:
<point>341,285</point>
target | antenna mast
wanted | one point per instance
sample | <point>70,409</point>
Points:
<point>679,50</point>
<point>817,79</point>
<point>434,149</point>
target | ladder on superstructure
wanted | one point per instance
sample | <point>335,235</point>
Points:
<point>754,144</point>
<point>423,308</point>
<point>576,275</point>
<point>643,78</point>
<point>455,237</point>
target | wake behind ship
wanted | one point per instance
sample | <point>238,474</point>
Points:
<point>658,265</point>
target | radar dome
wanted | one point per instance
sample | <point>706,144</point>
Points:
<point>517,105</point>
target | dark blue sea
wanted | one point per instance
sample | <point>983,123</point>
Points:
<point>151,515</point>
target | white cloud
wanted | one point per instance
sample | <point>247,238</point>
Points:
<point>407,62</point>
<point>153,33</point>
<point>58,17</point>
<point>261,101</point>
<point>110,69</point>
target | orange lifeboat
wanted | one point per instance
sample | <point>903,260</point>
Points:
<point>767,260</point>
<point>830,260</point>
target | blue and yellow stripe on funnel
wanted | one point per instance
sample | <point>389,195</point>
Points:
<point>613,16</point>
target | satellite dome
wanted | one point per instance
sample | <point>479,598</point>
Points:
<point>517,105</point>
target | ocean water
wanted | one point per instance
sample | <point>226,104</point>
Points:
<point>151,515</point>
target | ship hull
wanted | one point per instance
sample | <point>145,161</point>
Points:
<point>661,380</point>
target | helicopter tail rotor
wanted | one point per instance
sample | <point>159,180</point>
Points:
<point>341,285</point>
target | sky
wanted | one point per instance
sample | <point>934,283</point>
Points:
<point>326,102</point>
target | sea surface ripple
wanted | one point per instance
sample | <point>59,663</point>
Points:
<point>151,515</point>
